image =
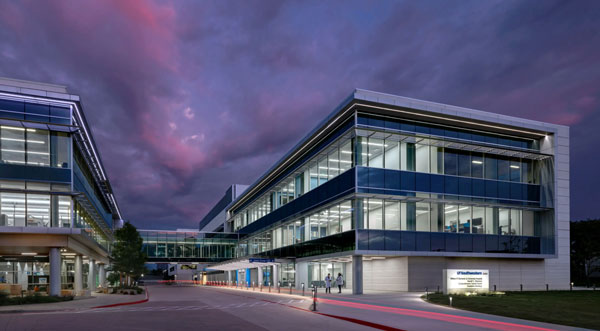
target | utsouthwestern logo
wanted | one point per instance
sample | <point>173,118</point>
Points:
<point>469,272</point>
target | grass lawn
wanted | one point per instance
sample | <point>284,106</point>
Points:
<point>576,308</point>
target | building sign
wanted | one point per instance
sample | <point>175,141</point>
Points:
<point>466,280</point>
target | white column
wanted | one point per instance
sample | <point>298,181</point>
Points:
<point>102,275</point>
<point>260,276</point>
<point>91,275</point>
<point>54,271</point>
<point>275,275</point>
<point>78,285</point>
<point>357,274</point>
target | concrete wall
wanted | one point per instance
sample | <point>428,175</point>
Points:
<point>417,273</point>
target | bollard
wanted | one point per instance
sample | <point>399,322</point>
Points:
<point>278,287</point>
<point>269,287</point>
<point>290,288</point>
<point>450,301</point>
<point>260,288</point>
<point>494,287</point>
<point>313,307</point>
<point>571,286</point>
<point>547,288</point>
<point>302,289</point>
<point>426,294</point>
<point>521,287</point>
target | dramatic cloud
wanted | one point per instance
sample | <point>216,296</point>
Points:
<point>186,98</point>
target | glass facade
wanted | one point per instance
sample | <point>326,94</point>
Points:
<point>37,147</point>
<point>178,245</point>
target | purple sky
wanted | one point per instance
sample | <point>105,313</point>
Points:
<point>185,99</point>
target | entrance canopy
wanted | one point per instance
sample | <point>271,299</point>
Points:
<point>246,263</point>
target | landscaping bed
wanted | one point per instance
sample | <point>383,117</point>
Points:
<point>6,300</point>
<point>573,308</point>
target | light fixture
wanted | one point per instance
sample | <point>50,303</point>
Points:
<point>514,166</point>
<point>477,162</point>
<point>29,254</point>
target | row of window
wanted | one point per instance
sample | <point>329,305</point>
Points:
<point>441,131</point>
<point>421,157</point>
<point>20,110</point>
<point>34,147</point>
<point>378,214</point>
<point>316,172</point>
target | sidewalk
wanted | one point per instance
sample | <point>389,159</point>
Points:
<point>79,303</point>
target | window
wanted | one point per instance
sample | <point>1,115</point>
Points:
<point>38,210</point>
<point>323,171</point>
<point>346,156</point>
<point>409,213</point>
<point>478,222</point>
<point>503,169</point>
<point>437,160</point>
<point>392,154</point>
<point>334,163</point>
<point>314,176</point>
<point>422,217</point>
<point>515,222</point>
<point>13,145</point>
<point>491,167</point>
<point>375,152</point>
<point>450,162</point>
<point>515,170</point>
<point>422,158</point>
<point>464,213</point>
<point>346,216</point>
<point>528,223</point>
<point>375,214</point>
<point>392,215</point>
<point>477,165</point>
<point>334,220</point>
<point>437,217</point>
<point>450,218</point>
<point>503,221</point>
<point>464,164</point>
<point>407,156</point>
<point>38,147</point>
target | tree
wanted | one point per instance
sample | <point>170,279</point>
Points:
<point>127,256</point>
<point>585,250</point>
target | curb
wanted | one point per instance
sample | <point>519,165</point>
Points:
<point>126,303</point>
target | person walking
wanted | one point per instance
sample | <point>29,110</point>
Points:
<point>328,284</point>
<point>339,281</point>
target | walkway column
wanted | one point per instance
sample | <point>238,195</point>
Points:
<point>102,275</point>
<point>260,276</point>
<point>91,275</point>
<point>78,284</point>
<point>357,274</point>
<point>54,271</point>
<point>275,275</point>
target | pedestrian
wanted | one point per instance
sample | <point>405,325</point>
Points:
<point>328,284</point>
<point>339,281</point>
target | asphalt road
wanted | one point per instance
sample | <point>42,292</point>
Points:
<point>179,307</point>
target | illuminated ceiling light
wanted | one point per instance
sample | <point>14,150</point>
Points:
<point>29,254</point>
<point>514,166</point>
<point>477,162</point>
<point>12,128</point>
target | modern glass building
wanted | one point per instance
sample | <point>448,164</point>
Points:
<point>57,208</point>
<point>390,191</point>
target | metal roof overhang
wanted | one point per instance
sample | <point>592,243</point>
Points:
<point>244,264</point>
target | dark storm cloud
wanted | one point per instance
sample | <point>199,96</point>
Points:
<point>186,98</point>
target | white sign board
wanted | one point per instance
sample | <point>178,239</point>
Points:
<point>466,280</point>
